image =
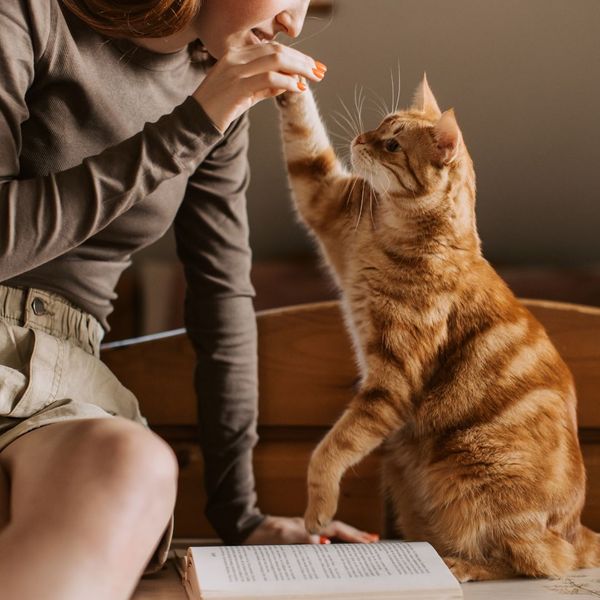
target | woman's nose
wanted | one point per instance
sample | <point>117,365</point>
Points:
<point>292,21</point>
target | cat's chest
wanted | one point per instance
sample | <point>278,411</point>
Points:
<point>403,328</point>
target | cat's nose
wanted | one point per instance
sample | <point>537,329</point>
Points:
<point>361,139</point>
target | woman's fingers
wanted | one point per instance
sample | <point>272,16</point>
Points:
<point>274,57</point>
<point>347,533</point>
<point>247,54</point>
<point>244,76</point>
<point>282,62</point>
<point>265,84</point>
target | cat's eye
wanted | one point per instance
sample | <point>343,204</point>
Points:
<point>392,145</point>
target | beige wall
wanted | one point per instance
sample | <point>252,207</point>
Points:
<point>524,78</point>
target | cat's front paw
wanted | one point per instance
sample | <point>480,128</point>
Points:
<point>461,569</point>
<point>287,99</point>
<point>316,520</point>
<point>322,506</point>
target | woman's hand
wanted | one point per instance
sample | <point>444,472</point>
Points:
<point>290,530</point>
<point>247,75</point>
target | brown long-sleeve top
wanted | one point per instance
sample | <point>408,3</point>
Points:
<point>102,148</point>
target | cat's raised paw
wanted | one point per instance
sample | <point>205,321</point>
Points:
<point>286,99</point>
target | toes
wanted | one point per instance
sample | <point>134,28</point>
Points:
<point>460,569</point>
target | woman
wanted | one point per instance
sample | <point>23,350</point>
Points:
<point>116,121</point>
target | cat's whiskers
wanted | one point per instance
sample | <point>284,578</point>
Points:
<point>396,103</point>
<point>368,171</point>
<point>350,127</point>
<point>371,208</point>
<point>359,101</point>
<point>393,91</point>
<point>380,103</point>
<point>370,183</point>
<point>343,153</point>
<point>344,139</point>
<point>316,33</point>
<point>362,199</point>
<point>354,121</point>
<point>351,191</point>
<point>378,107</point>
<point>388,183</point>
<point>373,196</point>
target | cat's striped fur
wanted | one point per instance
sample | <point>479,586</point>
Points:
<point>475,407</point>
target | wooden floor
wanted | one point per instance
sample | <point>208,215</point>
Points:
<point>164,585</point>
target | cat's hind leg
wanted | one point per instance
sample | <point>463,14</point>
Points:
<point>540,553</point>
<point>587,545</point>
<point>532,554</point>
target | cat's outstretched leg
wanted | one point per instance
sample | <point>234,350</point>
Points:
<point>371,416</point>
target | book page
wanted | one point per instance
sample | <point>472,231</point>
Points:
<point>387,568</point>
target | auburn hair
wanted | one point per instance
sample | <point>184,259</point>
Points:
<point>135,18</point>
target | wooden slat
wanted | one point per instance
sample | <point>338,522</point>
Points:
<point>307,370</point>
<point>307,376</point>
<point>159,372</point>
<point>575,330</point>
<point>280,471</point>
<point>591,512</point>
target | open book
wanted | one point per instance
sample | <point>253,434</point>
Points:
<point>383,570</point>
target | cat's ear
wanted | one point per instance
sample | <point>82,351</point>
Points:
<point>424,100</point>
<point>448,137</point>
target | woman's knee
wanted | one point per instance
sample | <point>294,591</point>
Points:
<point>112,458</point>
<point>128,454</point>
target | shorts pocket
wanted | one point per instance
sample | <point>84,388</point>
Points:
<point>28,370</point>
<point>13,385</point>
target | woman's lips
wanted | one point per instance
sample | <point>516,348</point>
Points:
<point>261,37</point>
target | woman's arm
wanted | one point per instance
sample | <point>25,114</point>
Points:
<point>44,217</point>
<point>212,242</point>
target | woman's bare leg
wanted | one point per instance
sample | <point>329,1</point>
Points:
<point>4,498</point>
<point>89,501</point>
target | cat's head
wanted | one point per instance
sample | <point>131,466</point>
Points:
<point>413,153</point>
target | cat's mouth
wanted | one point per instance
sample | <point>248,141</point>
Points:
<point>359,157</point>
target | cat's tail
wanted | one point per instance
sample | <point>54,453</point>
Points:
<point>587,545</point>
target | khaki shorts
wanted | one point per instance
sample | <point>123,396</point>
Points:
<point>50,371</point>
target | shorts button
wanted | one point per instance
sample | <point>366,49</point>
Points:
<point>39,307</point>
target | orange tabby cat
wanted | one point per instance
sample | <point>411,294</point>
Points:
<point>474,404</point>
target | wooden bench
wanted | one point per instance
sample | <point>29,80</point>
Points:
<point>307,376</point>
